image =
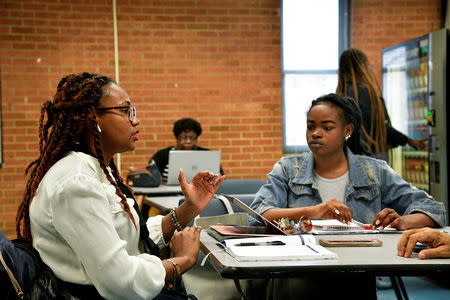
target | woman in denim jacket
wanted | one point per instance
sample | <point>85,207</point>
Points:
<point>331,181</point>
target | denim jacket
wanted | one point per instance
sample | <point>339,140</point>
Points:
<point>372,186</point>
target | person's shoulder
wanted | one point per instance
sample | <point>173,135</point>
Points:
<point>368,160</point>
<point>295,158</point>
<point>361,86</point>
<point>164,150</point>
<point>73,164</point>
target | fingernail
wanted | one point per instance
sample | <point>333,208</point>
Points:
<point>377,222</point>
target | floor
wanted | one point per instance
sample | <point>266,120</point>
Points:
<point>419,288</point>
<point>205,283</point>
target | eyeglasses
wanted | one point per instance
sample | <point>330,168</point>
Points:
<point>129,109</point>
<point>186,138</point>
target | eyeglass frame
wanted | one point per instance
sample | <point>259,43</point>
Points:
<point>186,138</point>
<point>131,110</point>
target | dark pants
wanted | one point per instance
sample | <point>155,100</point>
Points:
<point>345,285</point>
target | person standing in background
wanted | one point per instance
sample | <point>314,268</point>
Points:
<point>357,81</point>
<point>186,132</point>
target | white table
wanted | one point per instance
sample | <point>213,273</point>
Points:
<point>374,260</point>
<point>159,190</point>
<point>163,203</point>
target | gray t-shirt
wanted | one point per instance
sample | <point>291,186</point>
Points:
<point>332,188</point>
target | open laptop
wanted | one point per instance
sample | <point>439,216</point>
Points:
<point>221,232</point>
<point>192,162</point>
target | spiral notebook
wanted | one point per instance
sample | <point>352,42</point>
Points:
<point>277,248</point>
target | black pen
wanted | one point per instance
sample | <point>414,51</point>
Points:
<point>312,248</point>
<point>270,243</point>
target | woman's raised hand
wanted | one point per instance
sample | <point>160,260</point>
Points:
<point>200,191</point>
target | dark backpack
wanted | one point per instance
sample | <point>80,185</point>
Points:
<point>148,177</point>
<point>30,277</point>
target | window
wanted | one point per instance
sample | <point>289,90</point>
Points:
<point>314,34</point>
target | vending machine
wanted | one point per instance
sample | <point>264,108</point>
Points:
<point>414,81</point>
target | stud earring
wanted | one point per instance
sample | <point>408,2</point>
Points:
<point>347,137</point>
<point>98,128</point>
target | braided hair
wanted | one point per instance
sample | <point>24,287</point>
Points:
<point>350,113</point>
<point>70,118</point>
<point>354,68</point>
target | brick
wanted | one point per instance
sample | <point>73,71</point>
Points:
<point>217,63</point>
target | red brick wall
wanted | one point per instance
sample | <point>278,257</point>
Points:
<point>216,61</point>
<point>377,24</point>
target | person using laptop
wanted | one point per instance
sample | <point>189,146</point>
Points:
<point>80,215</point>
<point>186,132</point>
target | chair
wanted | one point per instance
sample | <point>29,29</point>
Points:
<point>199,280</point>
<point>217,208</point>
<point>240,186</point>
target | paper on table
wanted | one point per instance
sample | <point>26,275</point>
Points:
<point>333,226</point>
<point>296,247</point>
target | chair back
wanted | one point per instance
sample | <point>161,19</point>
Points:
<point>216,206</point>
<point>240,186</point>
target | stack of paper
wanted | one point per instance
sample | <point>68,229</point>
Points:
<point>333,226</point>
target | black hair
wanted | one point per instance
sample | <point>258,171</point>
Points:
<point>350,113</point>
<point>186,124</point>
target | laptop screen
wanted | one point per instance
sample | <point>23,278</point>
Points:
<point>192,162</point>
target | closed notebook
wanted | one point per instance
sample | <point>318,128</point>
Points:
<point>277,248</point>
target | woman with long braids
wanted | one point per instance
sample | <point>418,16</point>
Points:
<point>333,181</point>
<point>356,80</point>
<point>80,215</point>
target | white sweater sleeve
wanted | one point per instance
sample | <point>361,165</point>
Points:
<point>87,221</point>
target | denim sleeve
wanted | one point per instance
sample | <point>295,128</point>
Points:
<point>406,199</point>
<point>275,192</point>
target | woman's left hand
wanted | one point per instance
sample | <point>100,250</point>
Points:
<point>200,191</point>
<point>389,218</point>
